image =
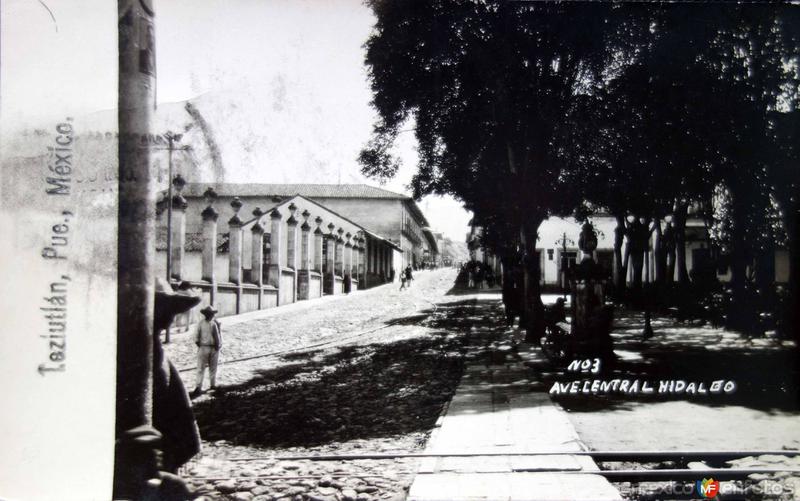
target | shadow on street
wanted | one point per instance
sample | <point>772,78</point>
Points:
<point>356,392</point>
<point>384,389</point>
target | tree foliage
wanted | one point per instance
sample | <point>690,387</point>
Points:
<point>524,110</point>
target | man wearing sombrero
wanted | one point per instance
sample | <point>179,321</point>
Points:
<point>209,341</point>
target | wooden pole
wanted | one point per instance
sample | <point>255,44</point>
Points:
<point>135,462</point>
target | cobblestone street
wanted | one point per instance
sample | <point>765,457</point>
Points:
<point>372,373</point>
<point>366,373</point>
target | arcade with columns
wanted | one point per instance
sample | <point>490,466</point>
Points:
<point>244,259</point>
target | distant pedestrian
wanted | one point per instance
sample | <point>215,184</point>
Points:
<point>409,276</point>
<point>470,278</point>
<point>479,276</point>
<point>209,341</point>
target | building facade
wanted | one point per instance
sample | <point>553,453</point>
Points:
<point>242,255</point>
<point>391,215</point>
<point>557,250</point>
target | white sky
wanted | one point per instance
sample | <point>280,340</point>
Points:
<point>299,61</point>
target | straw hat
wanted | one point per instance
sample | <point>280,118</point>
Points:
<point>209,310</point>
<point>170,302</point>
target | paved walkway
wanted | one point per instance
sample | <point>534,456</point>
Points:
<point>499,409</point>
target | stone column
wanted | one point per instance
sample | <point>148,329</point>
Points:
<point>291,238</point>
<point>370,249</point>
<point>339,261</point>
<point>257,258</point>
<point>356,250</point>
<point>178,236</point>
<point>235,244</point>
<point>330,261</point>
<point>354,259</point>
<point>304,272</point>
<point>362,256</point>
<point>291,243</point>
<point>210,217</point>
<point>318,246</point>
<point>305,245</point>
<point>384,264</point>
<point>378,258</point>
<point>348,256</point>
<point>357,262</point>
<point>387,262</point>
<point>275,249</point>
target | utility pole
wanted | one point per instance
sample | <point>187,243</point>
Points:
<point>135,461</point>
<point>171,138</point>
<point>177,182</point>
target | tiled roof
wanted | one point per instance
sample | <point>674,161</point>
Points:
<point>311,191</point>
<point>288,190</point>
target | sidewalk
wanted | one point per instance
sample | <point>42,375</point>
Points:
<point>499,409</point>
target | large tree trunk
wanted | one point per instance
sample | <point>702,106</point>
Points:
<point>680,243</point>
<point>512,290</point>
<point>637,259</point>
<point>742,313</point>
<point>638,236</point>
<point>532,306</point>
<point>620,266</point>
<point>669,253</point>
<point>791,222</point>
<point>660,253</point>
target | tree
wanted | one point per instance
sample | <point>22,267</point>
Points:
<point>487,85</point>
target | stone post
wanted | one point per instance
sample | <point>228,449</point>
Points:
<point>372,248</point>
<point>178,235</point>
<point>356,250</point>
<point>362,256</point>
<point>235,244</point>
<point>257,256</point>
<point>348,255</point>
<point>357,263</point>
<point>330,242</point>
<point>291,243</point>
<point>330,262</point>
<point>318,246</point>
<point>339,262</point>
<point>384,270</point>
<point>291,239</point>
<point>304,273</point>
<point>210,217</point>
<point>275,249</point>
<point>305,248</point>
<point>387,264</point>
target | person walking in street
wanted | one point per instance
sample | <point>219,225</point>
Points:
<point>408,275</point>
<point>209,341</point>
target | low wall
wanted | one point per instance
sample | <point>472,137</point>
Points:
<point>287,286</point>
<point>226,299</point>
<point>309,285</point>
<point>315,285</point>
<point>249,299</point>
